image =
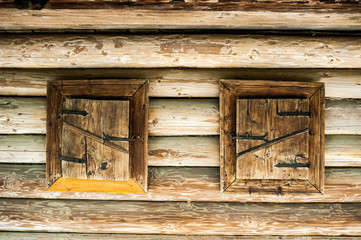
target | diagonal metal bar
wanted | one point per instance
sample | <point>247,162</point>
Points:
<point>94,137</point>
<point>272,142</point>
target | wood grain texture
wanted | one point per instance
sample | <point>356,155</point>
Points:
<point>183,117</point>
<point>180,218</point>
<point>339,83</point>
<point>110,117</point>
<point>197,51</point>
<point>88,236</point>
<point>171,116</point>
<point>183,151</point>
<point>179,184</point>
<point>341,150</point>
<point>350,115</point>
<point>22,148</point>
<point>187,16</point>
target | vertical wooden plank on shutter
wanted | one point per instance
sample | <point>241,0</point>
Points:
<point>53,126</point>
<point>317,139</point>
<point>139,128</point>
<point>227,117</point>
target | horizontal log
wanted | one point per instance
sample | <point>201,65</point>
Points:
<point>339,83</point>
<point>88,236</point>
<point>341,150</point>
<point>343,116</point>
<point>169,117</point>
<point>180,218</point>
<point>197,51</point>
<point>179,184</point>
<point>185,15</point>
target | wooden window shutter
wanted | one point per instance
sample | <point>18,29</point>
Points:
<point>97,136</point>
<point>272,136</point>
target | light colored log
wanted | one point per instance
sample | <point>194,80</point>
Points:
<point>179,218</point>
<point>343,116</point>
<point>22,149</point>
<point>341,150</point>
<point>132,18</point>
<point>339,83</point>
<point>22,115</point>
<point>184,151</point>
<point>179,184</point>
<point>87,236</point>
<point>197,51</point>
<point>170,117</point>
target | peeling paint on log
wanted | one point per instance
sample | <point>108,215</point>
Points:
<point>207,51</point>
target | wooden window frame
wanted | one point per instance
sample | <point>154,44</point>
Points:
<point>230,91</point>
<point>134,90</point>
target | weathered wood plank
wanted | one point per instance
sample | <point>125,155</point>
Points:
<point>185,15</point>
<point>88,236</point>
<point>183,117</point>
<point>180,218</point>
<point>347,110</point>
<point>183,151</point>
<point>22,148</point>
<point>341,150</point>
<point>179,184</point>
<point>180,82</point>
<point>170,116</point>
<point>197,51</point>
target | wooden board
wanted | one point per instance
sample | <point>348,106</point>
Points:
<point>309,15</point>
<point>341,150</point>
<point>179,184</point>
<point>110,117</point>
<point>196,51</point>
<point>339,83</point>
<point>170,117</point>
<point>180,218</point>
<point>84,236</point>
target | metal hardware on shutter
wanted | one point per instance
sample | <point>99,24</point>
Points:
<point>263,138</point>
<point>70,159</point>
<point>108,138</point>
<point>95,137</point>
<point>286,114</point>
<point>277,140</point>
<point>75,112</point>
<point>293,165</point>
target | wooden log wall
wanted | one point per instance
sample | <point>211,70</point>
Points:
<point>184,189</point>
<point>171,14</point>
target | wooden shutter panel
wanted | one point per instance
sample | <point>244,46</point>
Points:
<point>104,117</point>
<point>97,135</point>
<point>272,136</point>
